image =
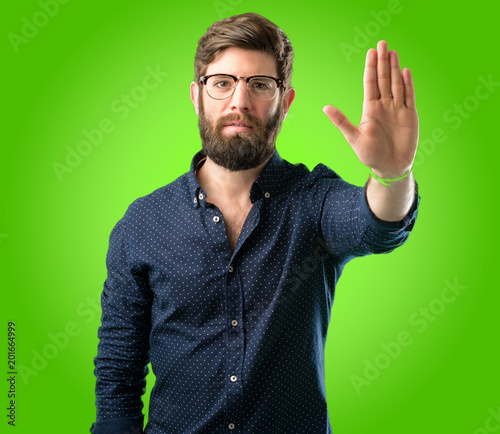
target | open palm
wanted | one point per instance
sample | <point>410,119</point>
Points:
<point>387,135</point>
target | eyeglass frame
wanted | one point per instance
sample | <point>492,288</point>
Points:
<point>279,84</point>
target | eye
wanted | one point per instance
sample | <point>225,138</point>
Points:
<point>222,84</point>
<point>261,85</point>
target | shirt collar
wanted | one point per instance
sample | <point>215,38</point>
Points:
<point>267,185</point>
<point>270,180</point>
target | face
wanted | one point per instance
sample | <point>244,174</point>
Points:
<point>240,147</point>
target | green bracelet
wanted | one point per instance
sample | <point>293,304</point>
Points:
<point>388,181</point>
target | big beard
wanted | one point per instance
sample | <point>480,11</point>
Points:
<point>239,151</point>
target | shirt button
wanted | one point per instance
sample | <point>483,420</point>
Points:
<point>267,195</point>
<point>216,219</point>
<point>234,378</point>
<point>195,200</point>
<point>234,323</point>
<point>231,269</point>
<point>231,426</point>
<point>200,196</point>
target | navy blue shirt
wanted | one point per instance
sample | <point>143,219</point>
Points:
<point>235,339</point>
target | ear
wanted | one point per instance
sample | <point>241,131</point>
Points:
<point>287,101</point>
<point>194,96</point>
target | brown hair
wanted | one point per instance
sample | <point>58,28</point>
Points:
<point>249,31</point>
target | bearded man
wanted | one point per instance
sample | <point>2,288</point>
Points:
<point>224,279</point>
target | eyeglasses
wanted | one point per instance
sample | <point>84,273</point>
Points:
<point>260,87</point>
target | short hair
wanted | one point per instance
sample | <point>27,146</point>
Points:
<point>248,31</point>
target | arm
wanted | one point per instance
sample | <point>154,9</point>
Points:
<point>390,203</point>
<point>386,138</point>
<point>121,362</point>
<point>346,221</point>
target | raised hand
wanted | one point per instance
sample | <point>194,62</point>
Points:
<point>387,135</point>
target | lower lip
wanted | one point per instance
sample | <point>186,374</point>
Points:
<point>237,129</point>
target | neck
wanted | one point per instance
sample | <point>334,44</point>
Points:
<point>221,184</point>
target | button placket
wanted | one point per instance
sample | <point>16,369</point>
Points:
<point>235,346</point>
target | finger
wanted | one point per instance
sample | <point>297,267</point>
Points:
<point>409,89</point>
<point>397,86</point>
<point>370,84</point>
<point>342,123</point>
<point>383,71</point>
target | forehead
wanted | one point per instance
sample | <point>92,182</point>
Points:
<point>243,63</point>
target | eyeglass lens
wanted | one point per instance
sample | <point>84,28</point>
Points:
<point>260,88</point>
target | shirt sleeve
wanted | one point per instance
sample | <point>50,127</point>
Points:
<point>349,227</point>
<point>123,349</point>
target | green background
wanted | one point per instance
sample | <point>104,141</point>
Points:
<point>71,75</point>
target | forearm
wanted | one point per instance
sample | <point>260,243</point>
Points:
<point>123,349</point>
<point>120,366</point>
<point>390,202</point>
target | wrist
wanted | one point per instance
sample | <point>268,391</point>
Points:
<point>387,178</point>
<point>386,174</point>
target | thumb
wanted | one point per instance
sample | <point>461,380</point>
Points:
<point>341,122</point>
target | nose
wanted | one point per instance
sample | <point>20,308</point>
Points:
<point>241,99</point>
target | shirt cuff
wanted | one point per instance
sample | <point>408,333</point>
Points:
<point>128,425</point>
<point>405,224</point>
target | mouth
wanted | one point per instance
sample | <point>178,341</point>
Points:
<point>238,126</point>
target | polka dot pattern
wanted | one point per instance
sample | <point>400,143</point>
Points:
<point>236,339</point>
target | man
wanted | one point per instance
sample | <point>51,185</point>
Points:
<point>224,279</point>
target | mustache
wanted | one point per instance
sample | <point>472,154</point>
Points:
<point>245,117</point>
